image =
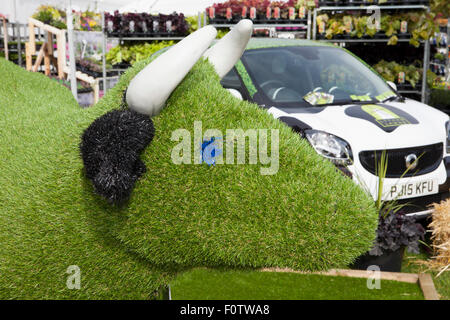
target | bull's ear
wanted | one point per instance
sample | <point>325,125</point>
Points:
<point>227,52</point>
<point>150,88</point>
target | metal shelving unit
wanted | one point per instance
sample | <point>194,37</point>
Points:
<point>443,49</point>
<point>14,32</point>
<point>446,63</point>
<point>426,44</point>
<point>448,50</point>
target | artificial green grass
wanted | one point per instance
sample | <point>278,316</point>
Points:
<point>307,216</point>
<point>207,284</point>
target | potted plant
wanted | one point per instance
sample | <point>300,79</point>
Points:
<point>413,26</point>
<point>396,231</point>
<point>113,23</point>
<point>410,74</point>
<point>440,93</point>
<point>51,16</point>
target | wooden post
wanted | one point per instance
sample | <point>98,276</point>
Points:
<point>32,38</point>
<point>427,286</point>
<point>96,87</point>
<point>39,59</point>
<point>394,276</point>
<point>61,44</point>
<point>48,50</point>
<point>50,43</point>
<point>5,38</point>
<point>46,63</point>
<point>28,56</point>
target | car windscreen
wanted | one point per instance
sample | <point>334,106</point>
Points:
<point>283,76</point>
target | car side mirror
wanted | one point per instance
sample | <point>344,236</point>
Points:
<point>392,85</point>
<point>235,93</point>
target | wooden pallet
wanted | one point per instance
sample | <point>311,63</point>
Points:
<point>46,51</point>
<point>94,83</point>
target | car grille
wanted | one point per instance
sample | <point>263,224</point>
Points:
<point>429,159</point>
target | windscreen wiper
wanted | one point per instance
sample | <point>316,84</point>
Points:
<point>344,102</point>
<point>393,98</point>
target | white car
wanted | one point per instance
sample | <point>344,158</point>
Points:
<point>349,114</point>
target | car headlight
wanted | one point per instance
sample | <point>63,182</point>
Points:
<point>447,127</point>
<point>330,146</point>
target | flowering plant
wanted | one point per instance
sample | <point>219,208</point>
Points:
<point>265,9</point>
<point>146,24</point>
<point>87,21</point>
<point>51,16</point>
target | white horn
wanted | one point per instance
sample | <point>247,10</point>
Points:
<point>150,88</point>
<point>227,52</point>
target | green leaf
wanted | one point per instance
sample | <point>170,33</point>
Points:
<point>414,42</point>
<point>392,41</point>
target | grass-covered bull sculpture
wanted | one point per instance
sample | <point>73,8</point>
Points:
<point>93,204</point>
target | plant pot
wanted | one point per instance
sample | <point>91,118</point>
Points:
<point>219,20</point>
<point>122,65</point>
<point>84,90</point>
<point>389,261</point>
<point>366,36</point>
<point>405,35</point>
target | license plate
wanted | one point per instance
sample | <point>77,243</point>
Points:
<point>411,189</point>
